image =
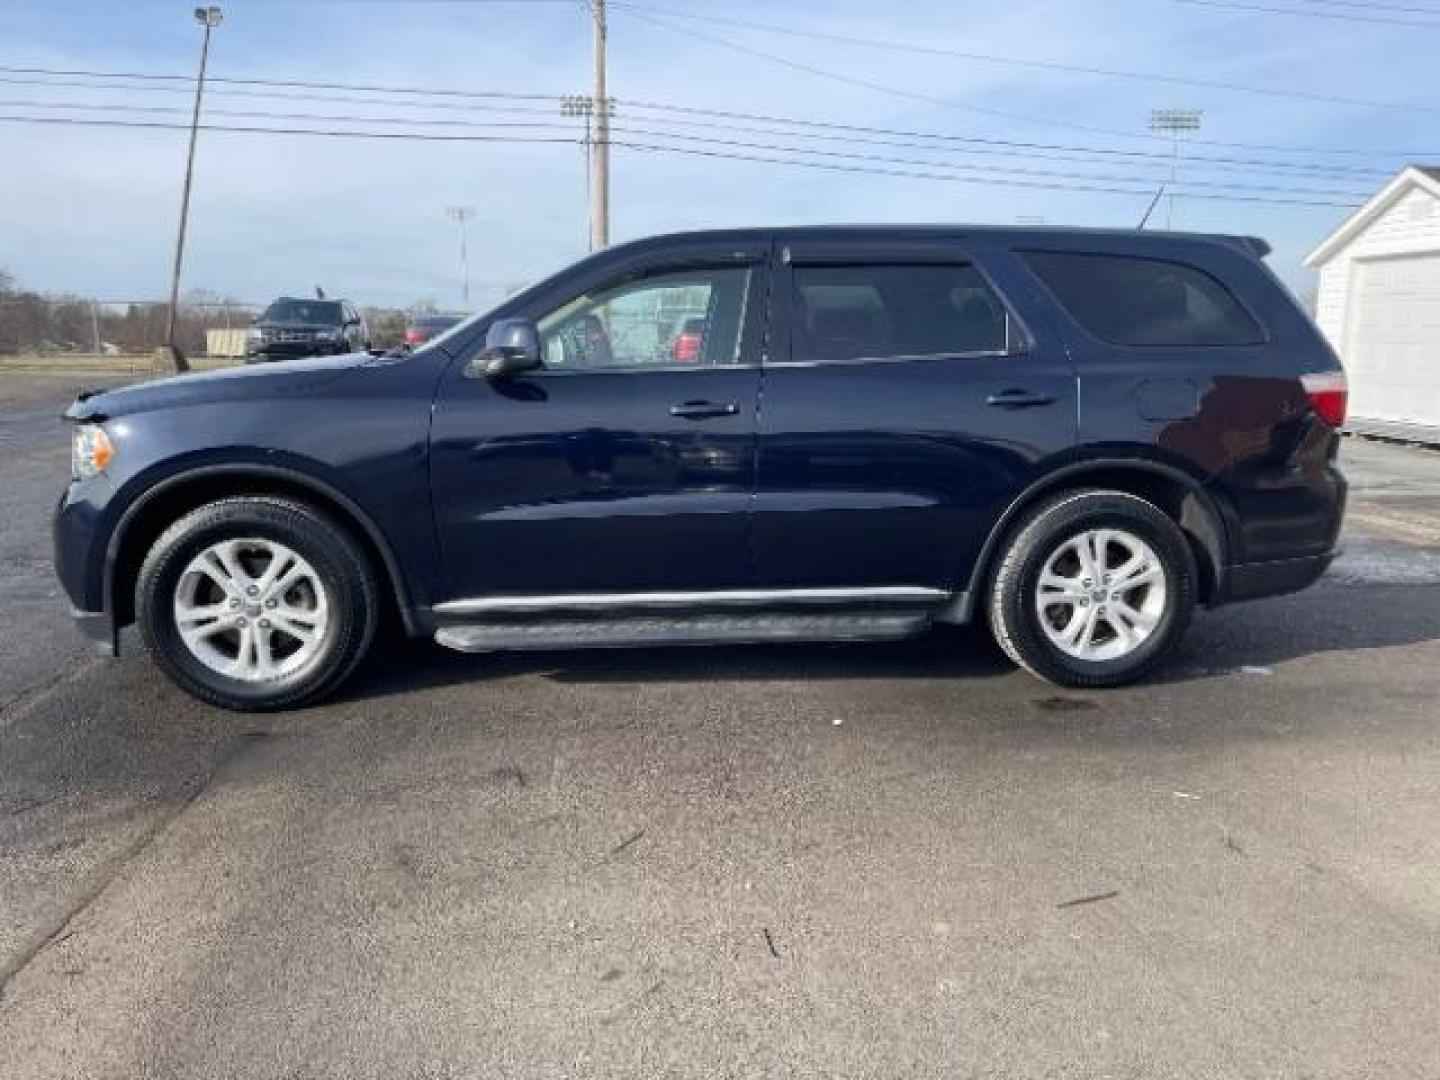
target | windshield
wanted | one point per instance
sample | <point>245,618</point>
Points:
<point>303,313</point>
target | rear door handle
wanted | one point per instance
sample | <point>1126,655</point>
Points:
<point>704,410</point>
<point>1019,399</point>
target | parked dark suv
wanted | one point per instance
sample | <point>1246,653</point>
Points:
<point>291,328</point>
<point>1075,435</point>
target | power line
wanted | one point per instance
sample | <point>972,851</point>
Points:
<point>849,131</point>
<point>1376,4</point>
<point>951,175</point>
<point>1031,64</point>
<point>1353,17</point>
<point>293,83</point>
<point>989,170</point>
<point>146,78</point>
<point>281,95</point>
<point>931,142</point>
<point>1139,192</point>
<point>866,84</point>
<point>332,118</point>
<point>156,125</point>
<point>909,95</point>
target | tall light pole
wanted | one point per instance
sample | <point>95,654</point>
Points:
<point>600,151</point>
<point>462,214</point>
<point>1175,123</point>
<point>208,17</point>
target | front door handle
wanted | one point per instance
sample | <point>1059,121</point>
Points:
<point>1019,399</point>
<point>704,410</point>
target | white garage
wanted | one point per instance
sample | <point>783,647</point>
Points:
<point>1379,304</point>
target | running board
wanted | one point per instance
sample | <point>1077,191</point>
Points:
<point>679,630</point>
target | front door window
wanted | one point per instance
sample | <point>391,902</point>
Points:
<point>688,318</point>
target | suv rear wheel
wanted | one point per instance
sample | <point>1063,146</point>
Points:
<point>256,603</point>
<point>1094,589</point>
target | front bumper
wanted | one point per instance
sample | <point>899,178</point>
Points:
<point>293,350</point>
<point>79,563</point>
<point>98,627</point>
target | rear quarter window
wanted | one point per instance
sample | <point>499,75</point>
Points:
<point>1128,300</point>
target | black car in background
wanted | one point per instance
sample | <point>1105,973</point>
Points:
<point>423,328</point>
<point>291,328</point>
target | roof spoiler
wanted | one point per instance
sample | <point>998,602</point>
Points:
<point>1260,247</point>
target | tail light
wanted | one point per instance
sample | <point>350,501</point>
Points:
<point>414,337</point>
<point>1329,394</point>
<point>686,348</point>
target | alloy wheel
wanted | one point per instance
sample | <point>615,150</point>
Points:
<point>1101,594</point>
<point>251,609</point>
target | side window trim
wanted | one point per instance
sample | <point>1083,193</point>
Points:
<point>752,319</point>
<point>1018,340</point>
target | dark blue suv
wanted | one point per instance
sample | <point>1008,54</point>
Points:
<point>787,434</point>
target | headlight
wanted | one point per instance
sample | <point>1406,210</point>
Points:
<point>254,333</point>
<point>91,451</point>
<point>330,335</point>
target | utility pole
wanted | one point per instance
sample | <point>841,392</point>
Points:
<point>1175,123</point>
<point>600,151</point>
<point>208,17</point>
<point>462,214</point>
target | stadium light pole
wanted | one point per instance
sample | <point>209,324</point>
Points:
<point>1175,123</point>
<point>462,214</point>
<point>209,18</point>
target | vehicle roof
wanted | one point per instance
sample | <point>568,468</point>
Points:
<point>312,299</point>
<point>1031,234</point>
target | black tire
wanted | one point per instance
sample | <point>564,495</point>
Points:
<point>342,568</point>
<point>1016,622</point>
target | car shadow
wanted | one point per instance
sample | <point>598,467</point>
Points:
<point>948,652</point>
<point>1263,634</point>
<point>1330,618</point>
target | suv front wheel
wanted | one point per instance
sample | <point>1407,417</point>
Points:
<point>1093,589</point>
<point>256,603</point>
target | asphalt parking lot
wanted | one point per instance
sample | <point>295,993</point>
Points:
<point>880,861</point>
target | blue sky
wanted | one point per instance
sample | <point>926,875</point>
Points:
<point>93,210</point>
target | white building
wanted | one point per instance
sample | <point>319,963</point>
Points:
<point>1379,304</point>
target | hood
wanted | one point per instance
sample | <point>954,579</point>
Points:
<point>247,382</point>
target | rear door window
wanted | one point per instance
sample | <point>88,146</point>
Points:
<point>1126,300</point>
<point>850,313</point>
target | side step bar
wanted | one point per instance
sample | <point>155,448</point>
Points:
<point>680,630</point>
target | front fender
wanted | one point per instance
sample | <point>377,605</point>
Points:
<point>277,471</point>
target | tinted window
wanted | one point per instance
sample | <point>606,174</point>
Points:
<point>1131,301</point>
<point>692,317</point>
<point>864,312</point>
<point>303,313</point>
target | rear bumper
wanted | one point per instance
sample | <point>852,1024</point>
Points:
<point>1252,581</point>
